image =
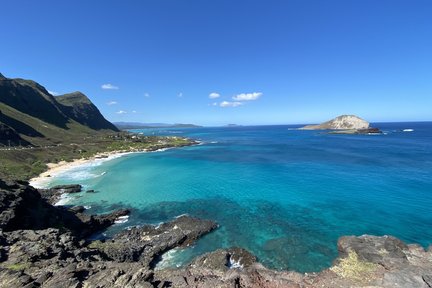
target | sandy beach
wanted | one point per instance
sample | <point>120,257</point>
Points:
<point>55,169</point>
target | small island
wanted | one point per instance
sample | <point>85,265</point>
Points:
<point>345,124</point>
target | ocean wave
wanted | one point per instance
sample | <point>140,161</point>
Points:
<point>160,150</point>
<point>234,264</point>
<point>169,259</point>
<point>122,219</point>
<point>77,174</point>
<point>63,200</point>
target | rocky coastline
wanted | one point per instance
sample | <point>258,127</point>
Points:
<point>42,245</point>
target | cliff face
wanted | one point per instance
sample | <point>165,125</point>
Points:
<point>343,122</point>
<point>29,110</point>
<point>78,106</point>
<point>32,99</point>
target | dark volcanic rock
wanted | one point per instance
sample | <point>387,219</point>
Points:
<point>11,278</point>
<point>146,243</point>
<point>225,259</point>
<point>405,265</point>
<point>44,246</point>
<point>233,267</point>
<point>387,251</point>
<point>72,188</point>
<point>77,209</point>
<point>29,246</point>
<point>358,131</point>
<point>53,194</point>
<point>95,223</point>
<point>21,207</point>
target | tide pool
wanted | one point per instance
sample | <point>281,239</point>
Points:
<point>285,195</point>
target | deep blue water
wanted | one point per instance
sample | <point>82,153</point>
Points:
<point>286,195</point>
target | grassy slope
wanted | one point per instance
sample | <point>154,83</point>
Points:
<point>68,141</point>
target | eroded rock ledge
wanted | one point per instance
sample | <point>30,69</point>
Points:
<point>44,246</point>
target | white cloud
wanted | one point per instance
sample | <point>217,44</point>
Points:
<point>146,95</point>
<point>247,96</point>
<point>109,86</point>
<point>134,111</point>
<point>230,104</point>
<point>214,95</point>
<point>121,112</point>
<point>111,103</point>
<point>180,95</point>
<point>215,104</point>
<point>53,93</point>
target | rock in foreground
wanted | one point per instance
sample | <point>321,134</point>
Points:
<point>45,246</point>
<point>145,244</point>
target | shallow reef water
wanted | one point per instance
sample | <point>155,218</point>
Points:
<point>286,195</point>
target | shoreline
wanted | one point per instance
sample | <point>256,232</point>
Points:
<point>62,257</point>
<point>54,169</point>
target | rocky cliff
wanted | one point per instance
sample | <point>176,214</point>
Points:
<point>46,246</point>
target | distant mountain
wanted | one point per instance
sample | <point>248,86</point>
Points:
<point>30,112</point>
<point>138,125</point>
<point>342,122</point>
<point>78,107</point>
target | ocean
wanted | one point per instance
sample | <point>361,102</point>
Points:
<point>284,194</point>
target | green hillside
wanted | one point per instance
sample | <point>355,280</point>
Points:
<point>39,118</point>
<point>78,107</point>
<point>37,128</point>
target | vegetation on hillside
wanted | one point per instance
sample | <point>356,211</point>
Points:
<point>37,128</point>
<point>22,162</point>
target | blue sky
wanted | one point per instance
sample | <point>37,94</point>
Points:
<point>270,62</point>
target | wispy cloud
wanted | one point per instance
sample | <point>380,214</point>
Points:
<point>180,95</point>
<point>230,104</point>
<point>109,86</point>
<point>121,112</point>
<point>53,93</point>
<point>134,111</point>
<point>146,95</point>
<point>111,103</point>
<point>247,96</point>
<point>214,95</point>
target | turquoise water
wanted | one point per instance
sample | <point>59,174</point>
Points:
<point>286,195</point>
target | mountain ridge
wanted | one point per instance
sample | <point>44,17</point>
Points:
<point>28,109</point>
